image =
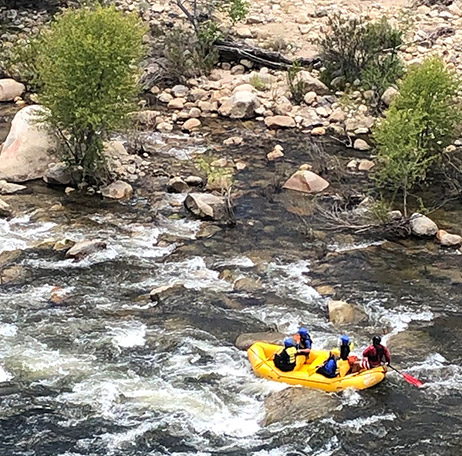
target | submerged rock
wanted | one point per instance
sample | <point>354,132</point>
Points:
<point>85,248</point>
<point>410,344</point>
<point>306,181</point>
<point>207,206</point>
<point>246,340</point>
<point>422,226</point>
<point>301,404</point>
<point>343,313</point>
<point>27,150</point>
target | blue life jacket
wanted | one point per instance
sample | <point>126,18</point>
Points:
<point>330,367</point>
<point>305,342</point>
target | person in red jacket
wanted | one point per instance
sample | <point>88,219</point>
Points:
<point>375,354</point>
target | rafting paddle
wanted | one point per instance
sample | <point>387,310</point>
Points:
<point>409,378</point>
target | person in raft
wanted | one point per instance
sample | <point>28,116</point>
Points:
<point>329,368</point>
<point>285,360</point>
<point>375,355</point>
<point>304,341</point>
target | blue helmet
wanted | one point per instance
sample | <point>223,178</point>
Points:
<point>303,332</point>
<point>345,339</point>
<point>288,342</point>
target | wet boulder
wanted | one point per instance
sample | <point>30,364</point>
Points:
<point>5,209</point>
<point>342,313</point>
<point>246,340</point>
<point>59,296</point>
<point>306,181</point>
<point>27,150</point>
<point>84,248</point>
<point>10,89</point>
<point>63,244</point>
<point>163,292</point>
<point>248,285</point>
<point>57,174</point>
<point>302,404</point>
<point>177,185</point>
<point>411,344</point>
<point>7,188</point>
<point>207,206</point>
<point>13,275</point>
<point>422,226</point>
<point>118,190</point>
<point>448,240</point>
<point>241,105</point>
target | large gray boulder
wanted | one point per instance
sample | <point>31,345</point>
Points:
<point>10,89</point>
<point>422,226</point>
<point>303,403</point>
<point>85,248</point>
<point>28,149</point>
<point>241,105</point>
<point>246,340</point>
<point>207,206</point>
<point>57,174</point>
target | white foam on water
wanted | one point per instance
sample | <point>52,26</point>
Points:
<point>363,424</point>
<point>341,248</point>
<point>239,261</point>
<point>351,397</point>
<point>130,334</point>
<point>8,330</point>
<point>5,376</point>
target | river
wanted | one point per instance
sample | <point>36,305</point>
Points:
<point>113,373</point>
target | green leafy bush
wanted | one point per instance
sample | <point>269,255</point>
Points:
<point>88,71</point>
<point>365,51</point>
<point>421,122</point>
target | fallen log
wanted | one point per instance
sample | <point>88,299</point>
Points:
<point>230,51</point>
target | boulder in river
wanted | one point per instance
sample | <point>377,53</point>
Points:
<point>177,185</point>
<point>247,284</point>
<point>241,105</point>
<point>246,340</point>
<point>306,181</point>
<point>8,188</point>
<point>85,248</point>
<point>118,190</point>
<point>300,404</point>
<point>57,174</point>
<point>343,313</point>
<point>448,240</point>
<point>5,209</point>
<point>27,150</point>
<point>63,244</point>
<point>158,294</point>
<point>10,89</point>
<point>280,122</point>
<point>207,206</point>
<point>412,344</point>
<point>422,226</point>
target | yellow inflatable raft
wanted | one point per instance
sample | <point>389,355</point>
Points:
<point>261,358</point>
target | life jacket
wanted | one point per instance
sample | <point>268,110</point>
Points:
<point>344,351</point>
<point>329,368</point>
<point>379,355</point>
<point>285,359</point>
<point>305,342</point>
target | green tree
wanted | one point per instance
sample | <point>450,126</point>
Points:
<point>421,122</point>
<point>88,69</point>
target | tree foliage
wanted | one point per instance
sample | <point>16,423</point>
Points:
<point>87,66</point>
<point>421,122</point>
<point>365,51</point>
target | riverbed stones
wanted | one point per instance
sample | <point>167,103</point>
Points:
<point>63,244</point>
<point>118,190</point>
<point>276,153</point>
<point>306,404</point>
<point>8,188</point>
<point>57,174</point>
<point>422,226</point>
<point>241,105</point>
<point>342,313</point>
<point>10,89</point>
<point>163,292</point>
<point>310,83</point>
<point>306,181</point>
<point>177,185</point>
<point>246,340</point>
<point>5,209</point>
<point>248,285</point>
<point>27,150</point>
<point>360,144</point>
<point>84,248</point>
<point>207,206</point>
<point>365,165</point>
<point>191,124</point>
<point>448,240</point>
<point>275,122</point>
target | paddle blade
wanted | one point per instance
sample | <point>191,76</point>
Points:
<point>412,380</point>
